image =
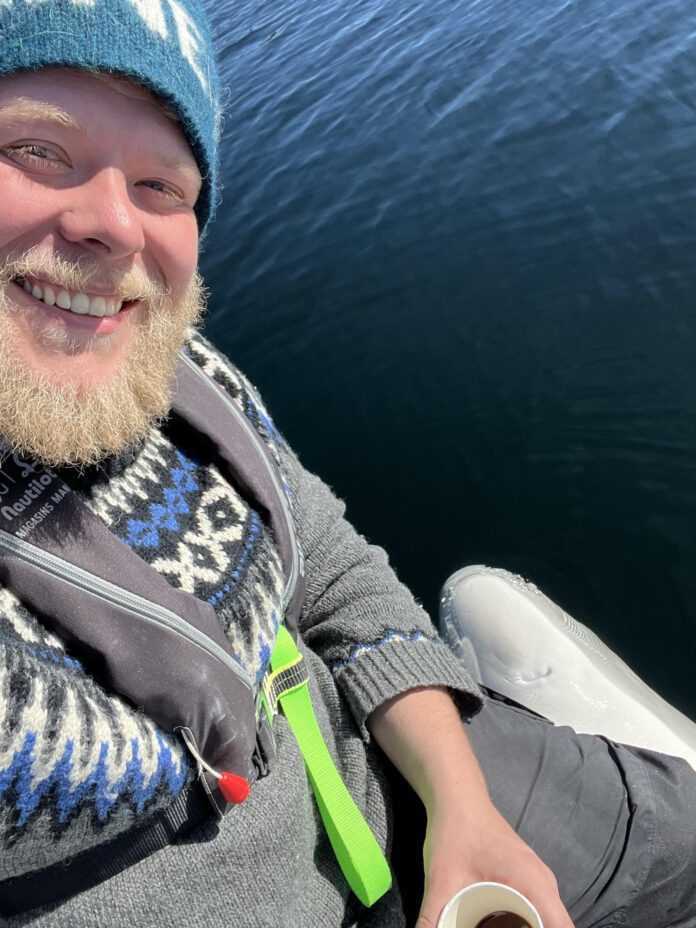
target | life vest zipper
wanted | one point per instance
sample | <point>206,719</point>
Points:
<point>138,606</point>
<point>295,555</point>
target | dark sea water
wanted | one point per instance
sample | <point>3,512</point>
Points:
<point>457,253</point>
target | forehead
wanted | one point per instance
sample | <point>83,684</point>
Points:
<point>128,87</point>
<point>75,83</point>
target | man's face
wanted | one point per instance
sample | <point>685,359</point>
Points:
<point>98,254</point>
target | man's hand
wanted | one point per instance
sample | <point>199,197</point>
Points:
<point>467,845</point>
<point>467,840</point>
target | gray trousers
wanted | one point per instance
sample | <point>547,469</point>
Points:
<point>616,824</point>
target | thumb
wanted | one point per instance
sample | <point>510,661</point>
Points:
<point>430,911</point>
<point>424,921</point>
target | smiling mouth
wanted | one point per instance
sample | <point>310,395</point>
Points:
<point>78,303</point>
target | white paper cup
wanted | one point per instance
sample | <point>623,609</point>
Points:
<point>474,903</point>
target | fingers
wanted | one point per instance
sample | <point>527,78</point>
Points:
<point>424,921</point>
<point>556,917</point>
<point>433,903</point>
<point>548,903</point>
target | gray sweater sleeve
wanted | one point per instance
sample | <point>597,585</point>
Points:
<point>364,624</point>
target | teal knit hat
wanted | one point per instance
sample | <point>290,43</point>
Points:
<point>163,44</point>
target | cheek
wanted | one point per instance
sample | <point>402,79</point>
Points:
<point>175,246</point>
<point>22,215</point>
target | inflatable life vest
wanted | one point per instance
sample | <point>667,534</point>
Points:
<point>161,648</point>
<point>165,652</point>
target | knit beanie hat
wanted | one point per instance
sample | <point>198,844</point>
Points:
<point>164,45</point>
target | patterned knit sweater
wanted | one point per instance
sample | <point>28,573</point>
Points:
<point>79,766</point>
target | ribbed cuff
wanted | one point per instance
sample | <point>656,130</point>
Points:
<point>377,672</point>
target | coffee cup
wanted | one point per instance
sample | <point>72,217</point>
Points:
<point>489,905</point>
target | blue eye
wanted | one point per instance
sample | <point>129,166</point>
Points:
<point>38,151</point>
<point>165,189</point>
<point>38,155</point>
<point>34,153</point>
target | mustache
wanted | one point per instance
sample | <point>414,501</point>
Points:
<point>76,275</point>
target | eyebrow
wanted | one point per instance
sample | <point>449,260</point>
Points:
<point>185,167</point>
<point>24,108</point>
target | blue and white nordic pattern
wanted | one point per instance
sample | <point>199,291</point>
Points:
<point>80,761</point>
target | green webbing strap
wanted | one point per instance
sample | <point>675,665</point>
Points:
<point>356,848</point>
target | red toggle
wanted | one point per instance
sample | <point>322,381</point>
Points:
<point>234,788</point>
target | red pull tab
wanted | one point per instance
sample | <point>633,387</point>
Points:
<point>234,788</point>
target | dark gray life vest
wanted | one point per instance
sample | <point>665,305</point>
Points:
<point>162,649</point>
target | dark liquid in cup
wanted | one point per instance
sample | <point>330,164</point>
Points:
<point>503,920</point>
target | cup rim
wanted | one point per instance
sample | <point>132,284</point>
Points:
<point>489,884</point>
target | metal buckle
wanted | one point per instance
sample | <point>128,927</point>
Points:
<point>280,682</point>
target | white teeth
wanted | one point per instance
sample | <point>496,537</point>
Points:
<point>63,299</point>
<point>79,303</point>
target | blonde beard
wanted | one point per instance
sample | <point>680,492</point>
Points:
<point>68,424</point>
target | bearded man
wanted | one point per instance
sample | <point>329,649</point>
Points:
<point>153,529</point>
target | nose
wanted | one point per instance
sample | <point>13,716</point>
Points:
<point>101,217</point>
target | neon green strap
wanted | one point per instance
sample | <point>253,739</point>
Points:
<point>356,848</point>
